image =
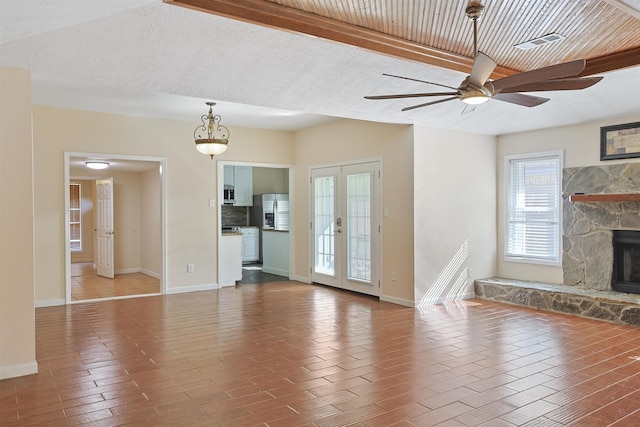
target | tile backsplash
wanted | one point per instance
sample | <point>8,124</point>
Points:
<point>234,215</point>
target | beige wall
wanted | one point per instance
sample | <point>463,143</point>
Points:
<point>190,184</point>
<point>350,140</point>
<point>581,145</point>
<point>151,223</point>
<point>270,180</point>
<point>17,316</point>
<point>455,219</point>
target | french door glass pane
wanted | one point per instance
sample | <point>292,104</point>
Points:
<point>359,227</point>
<point>324,220</point>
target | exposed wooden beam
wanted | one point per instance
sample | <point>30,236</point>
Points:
<point>612,62</point>
<point>285,18</point>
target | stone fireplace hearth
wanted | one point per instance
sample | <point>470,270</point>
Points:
<point>587,260</point>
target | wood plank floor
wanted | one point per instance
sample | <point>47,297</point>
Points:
<point>291,354</point>
<point>87,285</point>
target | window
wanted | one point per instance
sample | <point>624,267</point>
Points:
<point>533,208</point>
<point>75,218</point>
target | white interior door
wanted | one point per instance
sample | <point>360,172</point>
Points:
<point>346,227</point>
<point>104,229</point>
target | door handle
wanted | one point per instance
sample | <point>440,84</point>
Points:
<point>338,231</point>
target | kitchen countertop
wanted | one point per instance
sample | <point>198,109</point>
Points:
<point>231,233</point>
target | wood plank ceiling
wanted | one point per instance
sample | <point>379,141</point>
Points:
<point>604,32</point>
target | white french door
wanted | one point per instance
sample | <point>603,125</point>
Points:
<point>345,227</point>
<point>104,229</point>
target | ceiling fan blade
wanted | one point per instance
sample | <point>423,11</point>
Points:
<point>429,103</point>
<point>520,99</point>
<point>417,80</point>
<point>483,66</point>
<point>561,84</point>
<point>410,95</point>
<point>558,71</point>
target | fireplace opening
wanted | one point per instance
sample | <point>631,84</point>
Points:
<point>626,261</point>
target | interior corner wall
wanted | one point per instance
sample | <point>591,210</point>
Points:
<point>344,141</point>
<point>151,223</point>
<point>581,145</point>
<point>17,313</point>
<point>454,213</point>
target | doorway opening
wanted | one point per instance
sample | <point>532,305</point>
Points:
<point>260,252</point>
<point>115,233</point>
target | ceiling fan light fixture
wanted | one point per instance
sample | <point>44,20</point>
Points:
<point>475,99</point>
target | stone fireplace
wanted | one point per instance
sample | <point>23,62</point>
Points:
<point>588,227</point>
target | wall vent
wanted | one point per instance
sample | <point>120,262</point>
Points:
<point>549,38</point>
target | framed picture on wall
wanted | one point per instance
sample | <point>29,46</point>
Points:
<point>620,141</point>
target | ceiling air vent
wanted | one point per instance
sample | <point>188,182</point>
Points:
<point>549,38</point>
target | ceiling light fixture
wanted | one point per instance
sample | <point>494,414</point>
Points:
<point>97,165</point>
<point>211,137</point>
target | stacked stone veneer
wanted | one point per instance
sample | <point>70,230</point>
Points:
<point>602,305</point>
<point>587,260</point>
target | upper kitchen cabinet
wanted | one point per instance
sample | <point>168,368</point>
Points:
<point>228,176</point>
<point>243,186</point>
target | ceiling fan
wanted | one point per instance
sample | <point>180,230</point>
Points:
<point>477,88</point>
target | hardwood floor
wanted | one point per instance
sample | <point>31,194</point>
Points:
<point>291,354</point>
<point>87,285</point>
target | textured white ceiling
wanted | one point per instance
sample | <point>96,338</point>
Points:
<point>144,57</point>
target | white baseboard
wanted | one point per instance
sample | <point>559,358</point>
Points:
<point>18,370</point>
<point>150,273</point>
<point>442,300</point>
<point>275,271</point>
<point>302,279</point>
<point>50,302</point>
<point>194,288</point>
<point>127,271</point>
<point>399,301</point>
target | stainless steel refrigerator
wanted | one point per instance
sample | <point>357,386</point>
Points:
<point>270,211</point>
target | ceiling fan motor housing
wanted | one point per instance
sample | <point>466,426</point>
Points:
<point>468,92</point>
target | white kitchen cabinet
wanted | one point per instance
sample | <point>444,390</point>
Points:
<point>250,243</point>
<point>275,252</point>
<point>243,185</point>
<point>228,176</point>
<point>230,259</point>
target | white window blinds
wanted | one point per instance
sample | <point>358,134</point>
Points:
<point>533,208</point>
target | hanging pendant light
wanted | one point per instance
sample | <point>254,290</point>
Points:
<point>211,137</point>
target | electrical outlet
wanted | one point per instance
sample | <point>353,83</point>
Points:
<point>191,268</point>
